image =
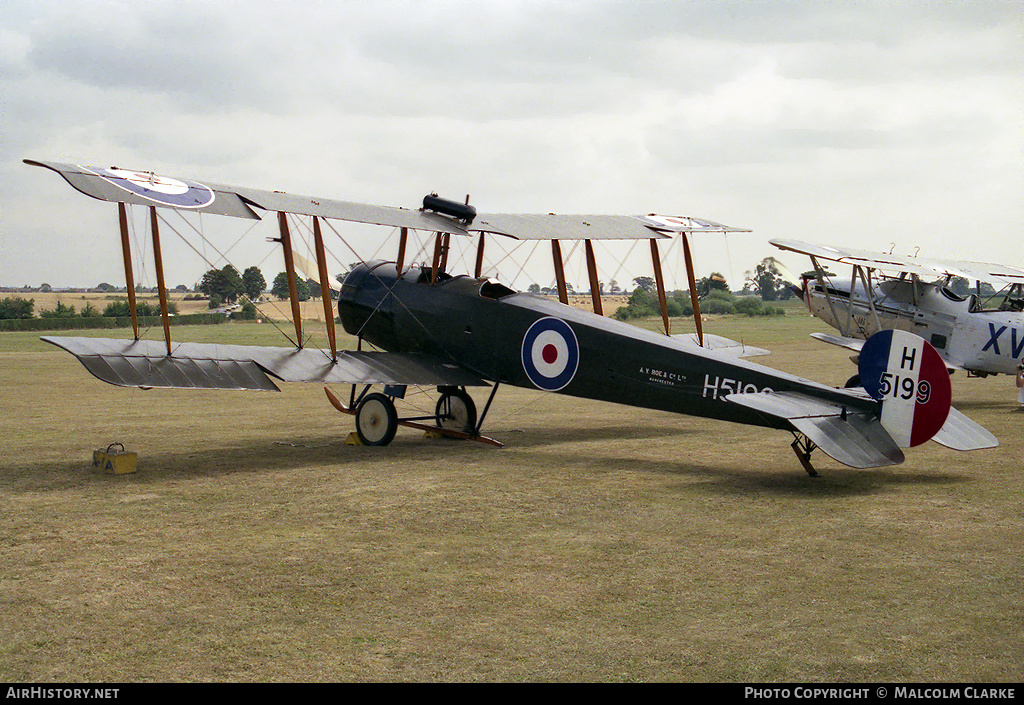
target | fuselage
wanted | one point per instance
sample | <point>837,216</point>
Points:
<point>530,341</point>
<point>966,337</point>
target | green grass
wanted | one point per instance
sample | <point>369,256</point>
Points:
<point>604,543</point>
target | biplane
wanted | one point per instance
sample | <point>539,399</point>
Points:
<point>952,304</point>
<point>461,332</point>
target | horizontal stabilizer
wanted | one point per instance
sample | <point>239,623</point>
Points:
<point>842,341</point>
<point>145,363</point>
<point>961,433</point>
<point>854,438</point>
<point>720,345</point>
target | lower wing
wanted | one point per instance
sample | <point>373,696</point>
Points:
<point>145,363</point>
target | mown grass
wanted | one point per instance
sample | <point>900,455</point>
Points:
<point>603,543</point>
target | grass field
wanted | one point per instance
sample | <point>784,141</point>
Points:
<point>603,543</point>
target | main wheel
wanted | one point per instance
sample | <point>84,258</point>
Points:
<point>853,382</point>
<point>376,420</point>
<point>456,411</point>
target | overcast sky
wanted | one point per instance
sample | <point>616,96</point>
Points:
<point>867,124</point>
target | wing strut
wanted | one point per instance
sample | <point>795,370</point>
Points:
<point>289,265</point>
<point>556,255</point>
<point>403,240</point>
<point>595,285</point>
<point>693,289</point>
<point>825,281</point>
<point>129,278</point>
<point>325,290</point>
<point>660,281</point>
<point>438,246</point>
<point>478,272</point>
<point>158,260</point>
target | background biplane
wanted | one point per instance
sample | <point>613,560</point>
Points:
<point>952,304</point>
<point>457,332</point>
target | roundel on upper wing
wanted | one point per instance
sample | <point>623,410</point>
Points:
<point>550,354</point>
<point>164,190</point>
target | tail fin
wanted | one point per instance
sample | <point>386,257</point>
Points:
<point>909,377</point>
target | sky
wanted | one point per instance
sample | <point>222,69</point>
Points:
<point>879,125</point>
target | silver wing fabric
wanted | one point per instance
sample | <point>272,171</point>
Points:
<point>145,363</point>
<point>149,189</point>
<point>921,266</point>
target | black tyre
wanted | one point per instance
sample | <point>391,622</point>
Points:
<point>376,420</point>
<point>456,411</point>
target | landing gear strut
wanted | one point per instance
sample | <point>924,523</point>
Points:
<point>802,446</point>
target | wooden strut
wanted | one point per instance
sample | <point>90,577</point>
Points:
<point>289,266</point>
<point>402,241</point>
<point>693,290</point>
<point>659,279</point>
<point>437,257</point>
<point>556,255</point>
<point>479,271</point>
<point>158,260</point>
<point>445,240</point>
<point>129,277</point>
<point>325,290</point>
<point>595,285</point>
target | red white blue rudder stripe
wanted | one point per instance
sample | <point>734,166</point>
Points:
<point>551,354</point>
<point>909,377</point>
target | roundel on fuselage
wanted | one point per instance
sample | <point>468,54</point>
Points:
<point>550,354</point>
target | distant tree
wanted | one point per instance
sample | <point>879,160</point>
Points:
<point>280,287</point>
<point>16,307</point>
<point>253,283</point>
<point>645,283</point>
<point>714,282</point>
<point>766,280</point>
<point>44,287</point>
<point>61,311</point>
<point>533,288</point>
<point>120,308</point>
<point>104,286</point>
<point>314,287</point>
<point>225,282</point>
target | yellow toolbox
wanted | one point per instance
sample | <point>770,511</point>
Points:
<point>117,462</point>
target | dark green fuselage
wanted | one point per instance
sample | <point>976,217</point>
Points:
<point>481,325</point>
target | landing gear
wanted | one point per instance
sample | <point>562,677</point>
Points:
<point>853,382</point>
<point>376,420</point>
<point>802,446</point>
<point>456,411</point>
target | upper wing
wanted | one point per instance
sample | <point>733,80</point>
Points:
<point>921,266</point>
<point>145,363</point>
<point>149,189</point>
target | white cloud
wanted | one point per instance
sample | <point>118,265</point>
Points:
<point>855,122</point>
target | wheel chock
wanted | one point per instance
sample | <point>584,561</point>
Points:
<point>353,439</point>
